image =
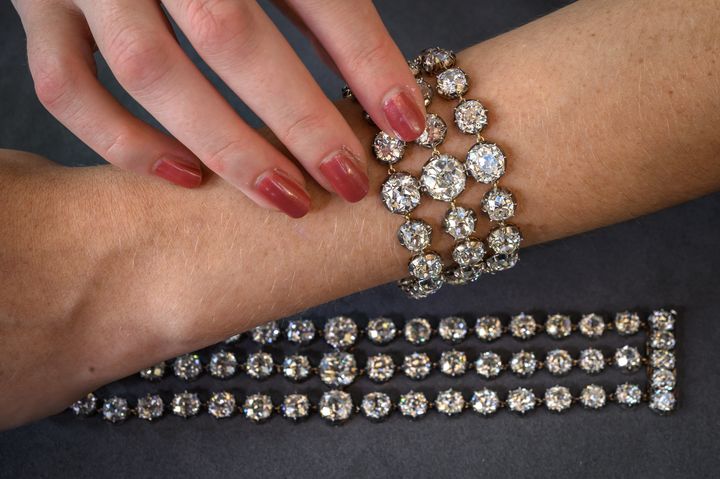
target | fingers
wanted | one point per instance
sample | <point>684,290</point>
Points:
<point>150,65</point>
<point>356,39</point>
<point>63,69</point>
<point>242,45</point>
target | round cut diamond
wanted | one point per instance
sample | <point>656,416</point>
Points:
<point>300,331</point>
<point>258,407</point>
<point>221,404</point>
<point>86,406</point>
<point>187,366</point>
<point>115,409</point>
<point>662,379</point>
<point>485,162</point>
<point>443,177</point>
<point>295,406</point>
<point>426,266</point>
<point>338,369</point>
<point>469,252</point>
<point>185,404</point>
<point>628,395</point>
<point>627,323</point>
<point>501,262</point>
<point>662,340</point>
<point>401,193</point>
<point>628,358</point>
<point>376,405</point>
<point>453,363</point>
<point>558,326</point>
<point>662,320</point>
<point>499,204</point>
<point>459,275</point>
<point>450,402</point>
<point>415,65</point>
<point>662,402</point>
<point>592,325</point>
<point>417,331</point>
<point>413,404</point>
<point>558,362</point>
<point>259,365</point>
<point>435,131</point>
<point>434,60</point>
<point>523,364</point>
<point>341,332</point>
<point>471,117</point>
<point>504,239</point>
<point>154,372</point>
<point>453,329</point>
<point>380,367</point>
<point>387,148</point>
<point>521,400</point>
<point>661,358</point>
<point>558,398</point>
<point>223,364</point>
<point>488,364</point>
<point>523,326</point>
<point>415,235</point>
<point>265,333</point>
<point>593,396</point>
<point>592,360</point>
<point>381,330</point>
<point>485,402</point>
<point>296,367</point>
<point>417,365</point>
<point>459,222</point>
<point>488,328</point>
<point>150,407</point>
<point>417,289</point>
<point>425,90</point>
<point>335,406</point>
<point>452,83</point>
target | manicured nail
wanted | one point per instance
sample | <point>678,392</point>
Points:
<point>345,175</point>
<point>405,116</point>
<point>180,171</point>
<point>284,193</point>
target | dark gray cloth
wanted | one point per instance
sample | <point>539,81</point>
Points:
<point>666,259</point>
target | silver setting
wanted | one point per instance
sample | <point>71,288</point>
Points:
<point>415,235</point>
<point>499,204</point>
<point>400,193</point>
<point>459,222</point>
<point>443,177</point>
<point>387,148</point>
<point>485,162</point>
<point>435,131</point>
<point>452,83</point>
<point>413,405</point>
<point>338,369</point>
<point>417,331</point>
<point>470,117</point>
<point>341,332</point>
<point>185,404</point>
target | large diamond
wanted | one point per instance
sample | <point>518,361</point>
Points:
<point>300,331</point>
<point>381,330</point>
<point>558,398</point>
<point>415,235</point>
<point>470,117</point>
<point>380,367</point>
<point>662,320</point>
<point>401,193</point>
<point>223,364</point>
<point>558,362</point>
<point>459,275</point>
<point>453,329</point>
<point>338,369</point>
<point>592,360</point>
<point>628,395</point>
<point>663,402</point>
<point>417,365</point>
<point>425,90</point>
<point>259,365</point>
<point>662,380</point>
<point>521,400</point>
<point>469,252</point>
<point>488,364</point>
<point>499,204</point>
<point>452,83</point>
<point>387,148</point>
<point>627,323</point>
<point>417,331</point>
<point>523,326</point>
<point>154,372</point>
<point>453,363</point>
<point>265,333</point>
<point>340,332</point>
<point>501,262</point>
<point>435,131</point>
<point>115,409</point>
<point>185,404</point>
<point>504,239</point>
<point>376,406</point>
<point>485,402</point>
<point>426,266</point>
<point>523,364</point>
<point>443,177</point>
<point>296,367</point>
<point>593,396</point>
<point>86,406</point>
<point>662,340</point>
<point>450,402</point>
<point>459,222</point>
<point>628,358</point>
<point>295,406</point>
<point>662,358</point>
<point>558,326</point>
<point>150,407</point>
<point>437,59</point>
<point>485,162</point>
<point>258,407</point>
<point>417,289</point>
<point>335,406</point>
<point>413,404</point>
<point>221,404</point>
<point>187,366</point>
<point>488,328</point>
<point>592,325</point>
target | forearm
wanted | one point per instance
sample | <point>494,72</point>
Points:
<point>603,118</point>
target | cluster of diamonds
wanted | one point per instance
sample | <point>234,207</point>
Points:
<point>339,368</point>
<point>444,178</point>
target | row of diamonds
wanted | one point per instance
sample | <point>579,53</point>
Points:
<point>342,332</point>
<point>337,406</point>
<point>662,374</point>
<point>340,368</point>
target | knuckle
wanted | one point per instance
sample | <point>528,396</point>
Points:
<point>138,59</point>
<point>53,79</point>
<point>216,24</point>
<point>372,50</point>
<point>220,156</point>
<point>302,126</point>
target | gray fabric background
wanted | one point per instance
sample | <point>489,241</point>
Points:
<point>666,259</point>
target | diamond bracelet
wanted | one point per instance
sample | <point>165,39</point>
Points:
<point>443,178</point>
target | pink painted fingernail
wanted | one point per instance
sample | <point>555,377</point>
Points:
<point>345,175</point>
<point>180,171</point>
<point>284,193</point>
<point>405,116</point>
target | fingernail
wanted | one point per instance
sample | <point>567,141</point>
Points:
<point>178,170</point>
<point>405,116</point>
<point>284,193</point>
<point>345,175</point>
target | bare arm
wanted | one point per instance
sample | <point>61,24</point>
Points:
<point>607,110</point>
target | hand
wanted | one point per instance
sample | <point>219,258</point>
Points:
<point>238,40</point>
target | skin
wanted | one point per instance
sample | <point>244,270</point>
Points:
<point>604,116</point>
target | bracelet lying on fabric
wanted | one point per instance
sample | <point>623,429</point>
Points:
<point>339,369</point>
<point>444,178</point>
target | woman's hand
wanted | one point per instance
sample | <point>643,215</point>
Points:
<point>240,43</point>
